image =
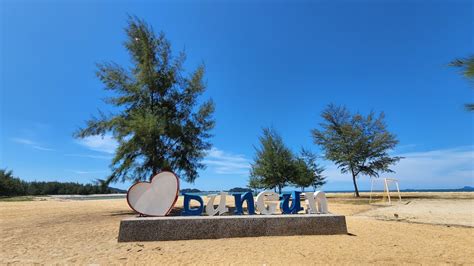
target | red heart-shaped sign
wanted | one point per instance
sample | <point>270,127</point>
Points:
<point>154,198</point>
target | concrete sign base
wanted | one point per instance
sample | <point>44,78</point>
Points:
<point>212,227</point>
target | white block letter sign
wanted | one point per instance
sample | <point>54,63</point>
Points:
<point>271,206</point>
<point>316,202</point>
<point>220,209</point>
<point>154,198</point>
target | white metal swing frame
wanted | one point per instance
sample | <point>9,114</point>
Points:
<point>386,189</point>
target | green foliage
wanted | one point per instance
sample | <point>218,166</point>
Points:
<point>467,69</point>
<point>16,198</point>
<point>158,125</point>
<point>240,189</point>
<point>273,164</point>
<point>13,186</point>
<point>60,188</point>
<point>466,65</point>
<point>255,183</point>
<point>10,185</point>
<point>189,190</point>
<point>357,144</point>
<point>308,173</point>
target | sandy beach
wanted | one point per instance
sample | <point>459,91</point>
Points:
<point>431,228</point>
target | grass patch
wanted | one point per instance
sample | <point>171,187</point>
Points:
<point>15,199</point>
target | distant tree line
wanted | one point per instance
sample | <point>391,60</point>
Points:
<point>190,190</point>
<point>240,189</point>
<point>14,186</point>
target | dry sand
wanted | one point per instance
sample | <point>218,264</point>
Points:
<point>84,232</point>
<point>439,211</point>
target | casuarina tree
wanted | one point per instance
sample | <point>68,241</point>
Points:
<point>159,123</point>
<point>255,183</point>
<point>273,164</point>
<point>308,172</point>
<point>357,144</point>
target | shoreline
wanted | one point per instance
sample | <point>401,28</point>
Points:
<point>330,194</point>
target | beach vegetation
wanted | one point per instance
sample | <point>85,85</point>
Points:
<point>357,144</point>
<point>239,189</point>
<point>273,164</point>
<point>16,198</point>
<point>11,186</point>
<point>308,172</point>
<point>159,121</point>
<point>189,190</point>
<point>276,166</point>
<point>255,183</point>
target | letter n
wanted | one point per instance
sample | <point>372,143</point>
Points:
<point>239,199</point>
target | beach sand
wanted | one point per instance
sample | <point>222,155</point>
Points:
<point>430,229</point>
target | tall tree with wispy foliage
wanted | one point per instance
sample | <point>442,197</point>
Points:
<point>273,163</point>
<point>467,69</point>
<point>357,144</point>
<point>159,123</point>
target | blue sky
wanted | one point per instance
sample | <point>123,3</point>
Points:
<point>268,64</point>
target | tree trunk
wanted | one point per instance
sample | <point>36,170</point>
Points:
<point>355,185</point>
<point>279,189</point>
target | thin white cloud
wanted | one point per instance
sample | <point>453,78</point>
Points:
<point>24,141</point>
<point>41,148</point>
<point>436,168</point>
<point>92,156</point>
<point>443,168</point>
<point>221,162</point>
<point>81,172</point>
<point>31,143</point>
<point>105,144</point>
